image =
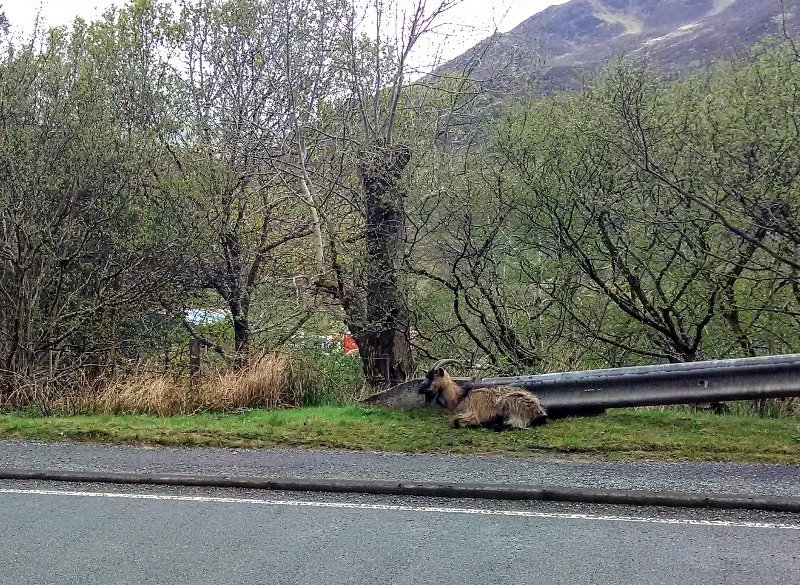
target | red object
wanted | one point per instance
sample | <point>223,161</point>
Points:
<point>349,344</point>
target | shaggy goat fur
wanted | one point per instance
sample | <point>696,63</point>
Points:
<point>499,408</point>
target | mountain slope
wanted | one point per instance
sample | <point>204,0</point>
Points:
<point>561,43</point>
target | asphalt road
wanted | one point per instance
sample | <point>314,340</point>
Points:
<point>775,480</point>
<point>91,534</point>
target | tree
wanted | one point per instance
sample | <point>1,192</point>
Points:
<point>493,291</point>
<point>246,72</point>
<point>375,129</point>
<point>83,248</point>
<point>663,266</point>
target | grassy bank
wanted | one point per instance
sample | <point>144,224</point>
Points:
<point>662,435</point>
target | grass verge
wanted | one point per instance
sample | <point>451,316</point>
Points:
<point>634,434</point>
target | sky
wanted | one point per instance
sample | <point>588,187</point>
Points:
<point>472,19</point>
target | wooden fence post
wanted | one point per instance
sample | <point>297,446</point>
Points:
<point>194,361</point>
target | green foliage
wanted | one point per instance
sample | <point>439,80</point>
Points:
<point>84,253</point>
<point>673,201</point>
<point>334,378</point>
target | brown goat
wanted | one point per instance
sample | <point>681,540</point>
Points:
<point>498,408</point>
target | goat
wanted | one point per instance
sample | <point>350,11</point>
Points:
<point>498,408</point>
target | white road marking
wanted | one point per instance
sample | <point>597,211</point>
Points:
<point>396,508</point>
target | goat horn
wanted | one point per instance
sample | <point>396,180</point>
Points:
<point>444,362</point>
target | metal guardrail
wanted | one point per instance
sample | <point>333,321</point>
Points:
<point>684,383</point>
<point>593,391</point>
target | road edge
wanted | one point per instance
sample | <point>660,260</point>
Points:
<point>425,489</point>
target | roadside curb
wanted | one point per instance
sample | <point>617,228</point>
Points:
<point>425,489</point>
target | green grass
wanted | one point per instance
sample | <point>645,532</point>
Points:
<point>665,435</point>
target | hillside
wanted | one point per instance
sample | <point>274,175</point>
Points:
<point>561,43</point>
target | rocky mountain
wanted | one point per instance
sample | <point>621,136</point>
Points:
<point>560,44</point>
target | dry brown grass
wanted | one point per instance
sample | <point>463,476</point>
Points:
<point>145,394</point>
<point>276,380</point>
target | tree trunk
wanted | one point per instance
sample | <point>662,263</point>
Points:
<point>316,227</point>
<point>384,341</point>
<point>241,329</point>
<point>237,294</point>
<point>386,357</point>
